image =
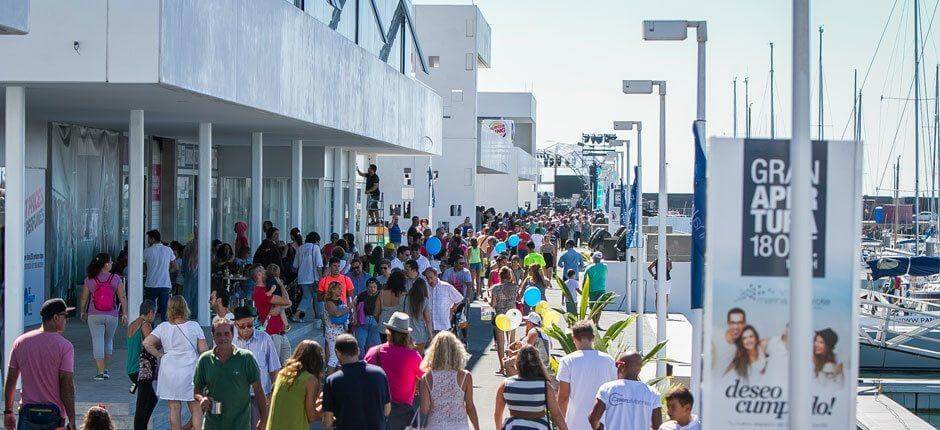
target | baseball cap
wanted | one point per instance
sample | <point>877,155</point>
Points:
<point>53,307</point>
<point>533,318</point>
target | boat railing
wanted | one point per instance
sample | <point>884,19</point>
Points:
<point>896,322</point>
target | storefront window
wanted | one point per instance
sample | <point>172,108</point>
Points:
<point>275,206</point>
<point>311,202</point>
<point>234,205</point>
<point>185,207</point>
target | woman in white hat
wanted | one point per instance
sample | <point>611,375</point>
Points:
<point>535,337</point>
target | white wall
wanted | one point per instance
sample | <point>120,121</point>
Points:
<point>527,194</point>
<point>679,300</point>
<point>498,191</point>
<point>37,142</point>
<point>235,161</point>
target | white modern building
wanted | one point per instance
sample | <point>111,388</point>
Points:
<point>457,40</point>
<point>122,117</point>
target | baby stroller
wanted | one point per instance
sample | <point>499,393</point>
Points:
<point>459,323</point>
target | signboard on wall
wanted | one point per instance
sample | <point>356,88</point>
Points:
<point>34,275</point>
<point>747,300</point>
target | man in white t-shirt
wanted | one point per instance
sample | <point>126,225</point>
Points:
<point>159,260</point>
<point>627,403</point>
<point>580,374</point>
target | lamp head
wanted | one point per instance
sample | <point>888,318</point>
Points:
<point>637,87</point>
<point>665,30</point>
<point>623,125</point>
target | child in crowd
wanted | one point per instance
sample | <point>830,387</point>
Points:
<point>571,282</point>
<point>679,406</point>
<point>274,284</point>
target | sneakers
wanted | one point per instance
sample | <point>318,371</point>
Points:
<point>107,374</point>
<point>100,377</point>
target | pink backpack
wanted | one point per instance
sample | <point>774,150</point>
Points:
<point>103,296</point>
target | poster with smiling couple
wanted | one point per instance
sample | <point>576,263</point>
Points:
<point>747,290</point>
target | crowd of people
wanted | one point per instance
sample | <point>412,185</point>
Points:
<point>393,319</point>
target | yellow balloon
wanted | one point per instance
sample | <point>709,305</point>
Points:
<point>502,322</point>
<point>541,307</point>
<point>550,318</point>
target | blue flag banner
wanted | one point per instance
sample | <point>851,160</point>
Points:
<point>630,214</point>
<point>623,204</point>
<point>431,186</point>
<point>698,217</point>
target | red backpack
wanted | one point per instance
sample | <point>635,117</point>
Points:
<point>103,296</point>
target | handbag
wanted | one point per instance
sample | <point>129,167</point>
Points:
<point>41,416</point>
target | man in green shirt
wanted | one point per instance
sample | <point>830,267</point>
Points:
<point>223,375</point>
<point>533,257</point>
<point>597,275</point>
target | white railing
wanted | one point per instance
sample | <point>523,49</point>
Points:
<point>527,166</point>
<point>898,323</point>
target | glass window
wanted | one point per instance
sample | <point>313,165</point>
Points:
<point>234,205</point>
<point>275,204</point>
<point>185,207</point>
<point>310,205</point>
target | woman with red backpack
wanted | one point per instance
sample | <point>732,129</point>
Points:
<point>99,310</point>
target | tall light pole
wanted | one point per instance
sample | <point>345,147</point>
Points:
<point>646,87</point>
<point>638,234</point>
<point>801,224</point>
<point>678,30</point>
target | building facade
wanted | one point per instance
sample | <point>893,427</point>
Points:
<point>447,188</point>
<point>122,117</point>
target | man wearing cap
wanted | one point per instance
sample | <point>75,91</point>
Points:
<point>262,348</point>
<point>444,299</point>
<point>597,276</point>
<point>535,337</point>
<point>44,358</point>
<point>402,365</point>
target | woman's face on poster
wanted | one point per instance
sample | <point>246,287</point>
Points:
<point>819,346</point>
<point>749,339</point>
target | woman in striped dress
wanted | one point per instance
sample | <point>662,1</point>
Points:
<point>528,396</point>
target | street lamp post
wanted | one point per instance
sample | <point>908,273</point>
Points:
<point>678,30</point>
<point>624,186</point>
<point>638,234</point>
<point>646,87</point>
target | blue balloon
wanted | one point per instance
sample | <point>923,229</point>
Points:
<point>532,296</point>
<point>513,240</point>
<point>433,245</point>
<point>500,247</point>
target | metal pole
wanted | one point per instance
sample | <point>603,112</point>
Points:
<point>820,133</point>
<point>916,127</point>
<point>698,261</point>
<point>936,135</point>
<point>626,199</point>
<point>854,104</point>
<point>640,242</point>
<point>661,236</point>
<point>14,218</point>
<point>801,245</point>
<point>773,133</point>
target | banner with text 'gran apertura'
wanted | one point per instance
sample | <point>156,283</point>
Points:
<point>747,291</point>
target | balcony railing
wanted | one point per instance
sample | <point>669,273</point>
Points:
<point>527,166</point>
<point>496,152</point>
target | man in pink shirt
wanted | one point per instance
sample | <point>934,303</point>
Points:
<point>402,365</point>
<point>44,358</point>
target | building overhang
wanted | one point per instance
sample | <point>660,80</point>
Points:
<point>256,66</point>
<point>14,16</point>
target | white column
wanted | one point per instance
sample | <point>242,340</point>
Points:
<point>351,176</point>
<point>801,216</point>
<point>661,236</point>
<point>204,221</point>
<point>254,227</point>
<point>296,183</point>
<point>14,248</point>
<point>337,191</point>
<point>135,233</point>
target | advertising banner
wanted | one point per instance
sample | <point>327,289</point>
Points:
<point>34,275</point>
<point>747,289</point>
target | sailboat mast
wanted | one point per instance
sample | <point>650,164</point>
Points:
<point>916,126</point>
<point>855,105</point>
<point>772,129</point>
<point>820,124</point>
<point>936,148</point>
<point>747,110</point>
<point>897,180</point>
<point>734,104</point>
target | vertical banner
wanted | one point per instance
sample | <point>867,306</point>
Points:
<point>34,274</point>
<point>747,286</point>
<point>699,211</point>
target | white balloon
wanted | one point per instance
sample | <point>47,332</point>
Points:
<point>515,317</point>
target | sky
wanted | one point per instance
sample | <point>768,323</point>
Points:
<point>574,55</point>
